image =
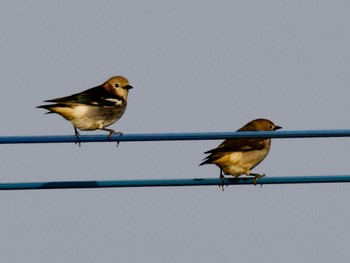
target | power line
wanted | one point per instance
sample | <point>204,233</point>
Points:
<point>174,182</point>
<point>174,136</point>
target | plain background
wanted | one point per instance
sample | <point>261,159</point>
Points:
<point>196,66</point>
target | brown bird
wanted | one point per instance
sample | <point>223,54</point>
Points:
<point>238,156</point>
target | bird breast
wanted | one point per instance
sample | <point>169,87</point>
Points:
<point>238,163</point>
<point>86,117</point>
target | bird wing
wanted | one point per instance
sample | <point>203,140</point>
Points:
<point>239,145</point>
<point>97,96</point>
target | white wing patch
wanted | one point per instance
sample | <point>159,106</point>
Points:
<point>116,101</point>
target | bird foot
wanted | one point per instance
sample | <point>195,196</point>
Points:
<point>256,177</point>
<point>111,133</point>
<point>77,134</point>
<point>222,177</point>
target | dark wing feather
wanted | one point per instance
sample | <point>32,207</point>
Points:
<point>239,145</point>
<point>233,145</point>
<point>93,96</point>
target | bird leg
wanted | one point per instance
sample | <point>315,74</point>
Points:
<point>77,134</point>
<point>111,132</point>
<point>222,177</point>
<point>256,177</point>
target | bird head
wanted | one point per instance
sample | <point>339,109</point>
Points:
<point>260,125</point>
<point>118,85</point>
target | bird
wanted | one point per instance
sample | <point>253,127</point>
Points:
<point>95,108</point>
<point>238,156</point>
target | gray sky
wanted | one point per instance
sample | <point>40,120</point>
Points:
<point>196,66</point>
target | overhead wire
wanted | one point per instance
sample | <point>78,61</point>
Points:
<point>174,137</point>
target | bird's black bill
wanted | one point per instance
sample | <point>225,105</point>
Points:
<point>277,128</point>
<point>128,87</point>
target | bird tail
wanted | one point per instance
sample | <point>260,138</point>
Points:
<point>46,107</point>
<point>205,161</point>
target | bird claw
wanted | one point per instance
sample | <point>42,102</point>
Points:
<point>256,177</point>
<point>111,133</point>
<point>77,134</point>
<point>222,177</point>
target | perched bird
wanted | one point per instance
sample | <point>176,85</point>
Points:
<point>238,156</point>
<point>95,108</point>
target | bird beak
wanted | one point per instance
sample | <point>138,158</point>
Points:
<point>127,87</point>
<point>277,128</point>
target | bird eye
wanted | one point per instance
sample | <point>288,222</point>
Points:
<point>116,85</point>
<point>271,128</point>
